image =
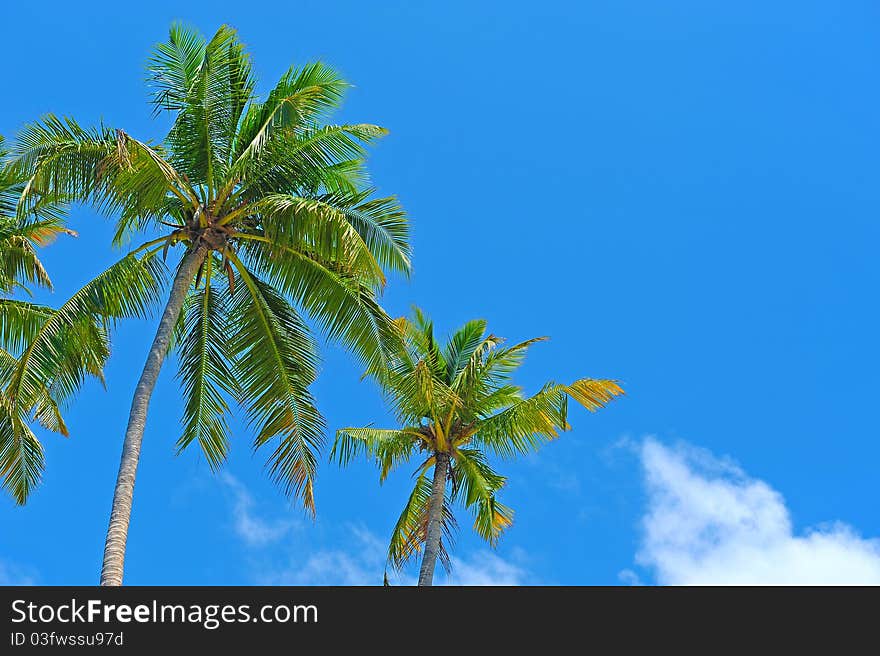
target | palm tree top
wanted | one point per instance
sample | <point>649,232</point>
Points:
<point>455,403</point>
<point>274,207</point>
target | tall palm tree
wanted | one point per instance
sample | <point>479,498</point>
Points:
<point>456,405</point>
<point>267,207</point>
<point>44,353</point>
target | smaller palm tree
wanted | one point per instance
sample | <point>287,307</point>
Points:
<point>457,406</point>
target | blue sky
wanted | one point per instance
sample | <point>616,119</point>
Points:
<point>683,195</point>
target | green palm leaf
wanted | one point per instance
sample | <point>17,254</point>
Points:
<point>275,364</point>
<point>526,426</point>
<point>206,373</point>
<point>21,454</point>
<point>409,531</point>
<point>343,305</point>
<point>129,288</point>
<point>476,484</point>
<point>389,448</point>
<point>302,95</point>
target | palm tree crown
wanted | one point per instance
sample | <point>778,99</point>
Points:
<point>456,406</point>
<point>270,208</point>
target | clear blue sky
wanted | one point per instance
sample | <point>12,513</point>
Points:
<point>683,195</point>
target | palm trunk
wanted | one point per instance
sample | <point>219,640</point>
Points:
<point>435,520</point>
<point>120,514</point>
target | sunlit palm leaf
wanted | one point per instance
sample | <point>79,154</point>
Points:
<point>526,426</point>
<point>275,364</point>
<point>206,373</point>
<point>409,532</point>
<point>476,485</point>
<point>342,305</point>
<point>301,95</point>
<point>21,454</point>
<point>129,288</point>
<point>389,448</point>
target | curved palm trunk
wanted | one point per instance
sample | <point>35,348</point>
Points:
<point>435,520</point>
<point>120,515</point>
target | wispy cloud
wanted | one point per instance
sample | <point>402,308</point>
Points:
<point>629,577</point>
<point>360,562</point>
<point>485,568</point>
<point>708,522</point>
<point>253,529</point>
<point>13,574</point>
<point>358,558</point>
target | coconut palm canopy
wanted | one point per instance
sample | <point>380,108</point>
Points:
<point>457,406</point>
<point>265,208</point>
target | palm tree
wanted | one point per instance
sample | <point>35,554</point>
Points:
<point>267,206</point>
<point>456,405</point>
<point>44,353</point>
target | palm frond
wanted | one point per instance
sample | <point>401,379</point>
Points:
<point>491,519</point>
<point>530,423</point>
<point>383,225</point>
<point>410,530</point>
<point>345,308</point>
<point>206,373</point>
<point>20,322</point>
<point>461,347</point>
<point>21,454</point>
<point>475,483</point>
<point>208,115</point>
<point>389,448</point>
<point>69,344</point>
<point>173,66</point>
<point>321,227</point>
<point>301,96</point>
<point>63,161</point>
<point>275,364</point>
<point>305,162</point>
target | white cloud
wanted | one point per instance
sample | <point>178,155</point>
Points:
<point>253,529</point>
<point>707,522</point>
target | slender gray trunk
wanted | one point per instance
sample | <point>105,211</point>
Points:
<point>435,520</point>
<point>120,515</point>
